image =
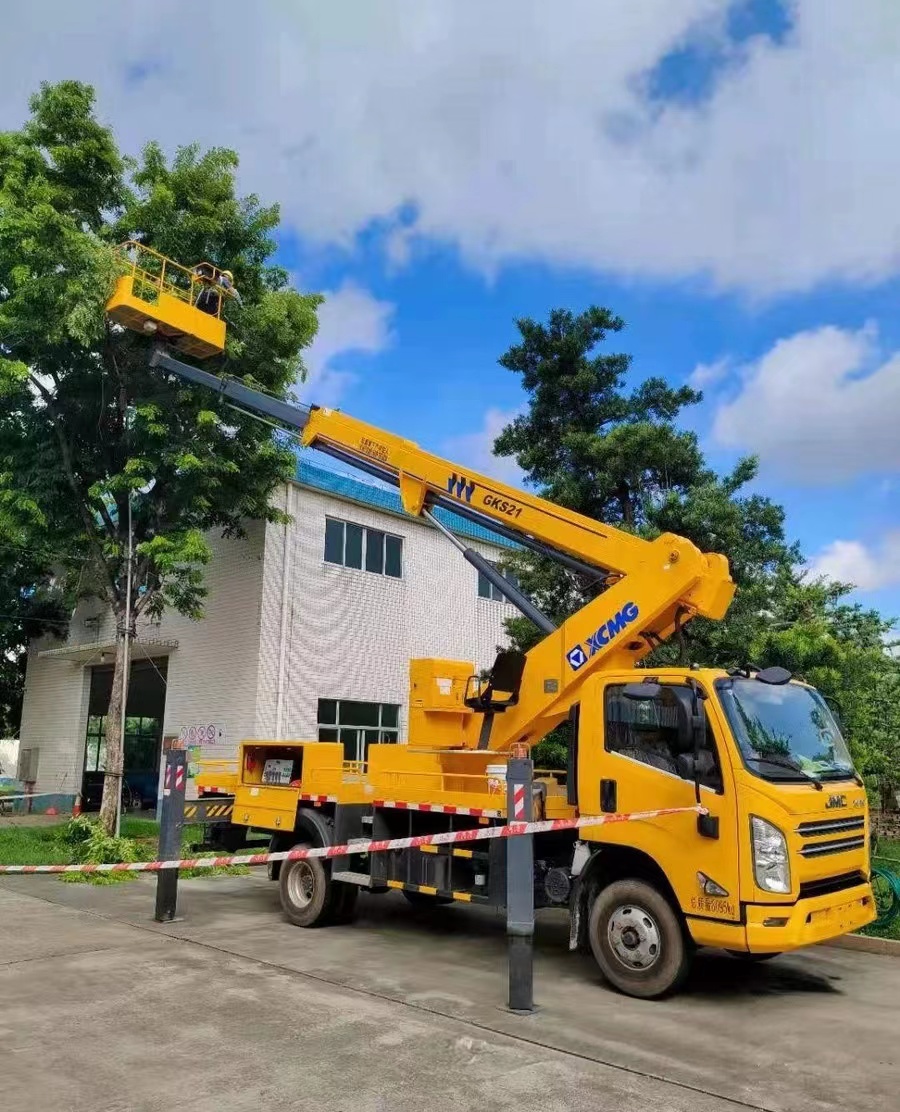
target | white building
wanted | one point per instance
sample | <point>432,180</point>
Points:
<point>308,632</point>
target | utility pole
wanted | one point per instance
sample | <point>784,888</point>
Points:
<point>126,666</point>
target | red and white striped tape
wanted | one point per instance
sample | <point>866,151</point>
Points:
<point>363,845</point>
<point>435,808</point>
<point>519,802</point>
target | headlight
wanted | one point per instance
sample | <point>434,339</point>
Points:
<point>770,856</point>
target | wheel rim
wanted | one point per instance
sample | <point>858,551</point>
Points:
<point>634,937</point>
<point>301,884</point>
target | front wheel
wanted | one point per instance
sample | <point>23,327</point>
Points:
<point>637,940</point>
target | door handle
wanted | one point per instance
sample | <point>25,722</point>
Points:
<point>608,796</point>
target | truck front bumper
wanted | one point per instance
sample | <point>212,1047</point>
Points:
<point>772,929</point>
<point>775,928</point>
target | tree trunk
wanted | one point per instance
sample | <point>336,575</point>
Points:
<point>115,757</point>
<point>624,495</point>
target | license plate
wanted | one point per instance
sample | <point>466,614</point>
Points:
<point>833,914</point>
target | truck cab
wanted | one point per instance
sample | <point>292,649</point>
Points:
<point>779,860</point>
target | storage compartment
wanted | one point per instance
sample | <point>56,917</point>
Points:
<point>277,766</point>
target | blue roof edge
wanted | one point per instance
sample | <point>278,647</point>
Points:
<point>355,490</point>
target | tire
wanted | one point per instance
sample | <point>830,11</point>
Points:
<point>425,899</point>
<point>637,940</point>
<point>752,959</point>
<point>305,887</point>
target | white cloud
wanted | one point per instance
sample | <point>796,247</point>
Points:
<point>867,567</point>
<point>820,407</point>
<point>517,129</point>
<point>705,375</point>
<point>351,320</point>
<point>476,449</point>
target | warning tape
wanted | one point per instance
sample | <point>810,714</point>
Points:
<point>29,795</point>
<point>362,845</point>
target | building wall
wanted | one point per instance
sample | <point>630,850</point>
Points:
<point>349,634</point>
<point>281,629</point>
<point>54,718</point>
<point>211,674</point>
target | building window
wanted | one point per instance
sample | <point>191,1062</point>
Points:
<point>358,725</point>
<point>142,739</point>
<point>95,744</point>
<point>486,588</point>
<point>355,546</point>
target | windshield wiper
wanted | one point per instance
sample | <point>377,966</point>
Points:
<point>789,764</point>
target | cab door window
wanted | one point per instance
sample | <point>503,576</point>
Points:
<point>646,730</point>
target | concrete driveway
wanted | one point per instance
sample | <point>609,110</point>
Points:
<point>232,1008</point>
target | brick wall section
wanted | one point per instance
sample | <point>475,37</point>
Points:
<point>212,673</point>
<point>349,634</point>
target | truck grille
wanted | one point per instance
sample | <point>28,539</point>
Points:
<point>840,845</point>
<point>830,826</point>
<point>853,829</point>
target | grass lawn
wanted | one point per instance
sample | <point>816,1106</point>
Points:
<point>44,845</point>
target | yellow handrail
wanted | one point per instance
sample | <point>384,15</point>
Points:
<point>138,258</point>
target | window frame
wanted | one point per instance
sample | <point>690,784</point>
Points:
<point>711,743</point>
<point>494,593</point>
<point>387,734</point>
<point>387,541</point>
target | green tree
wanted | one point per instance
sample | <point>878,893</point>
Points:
<point>588,442</point>
<point>86,429</point>
<point>32,600</point>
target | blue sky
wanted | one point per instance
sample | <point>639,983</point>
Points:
<point>721,173</point>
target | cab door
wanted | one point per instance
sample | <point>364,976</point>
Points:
<point>638,761</point>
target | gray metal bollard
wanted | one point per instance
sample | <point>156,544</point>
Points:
<point>520,887</point>
<point>171,821</point>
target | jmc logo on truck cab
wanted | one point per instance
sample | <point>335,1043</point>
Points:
<point>581,653</point>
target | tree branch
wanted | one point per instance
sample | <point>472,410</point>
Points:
<point>80,498</point>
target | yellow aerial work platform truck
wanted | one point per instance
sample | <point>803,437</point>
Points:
<point>777,859</point>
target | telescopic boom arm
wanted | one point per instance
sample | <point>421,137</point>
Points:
<point>653,587</point>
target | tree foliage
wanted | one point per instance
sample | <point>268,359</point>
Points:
<point>86,427</point>
<point>617,454</point>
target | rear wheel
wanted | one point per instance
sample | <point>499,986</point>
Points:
<point>637,939</point>
<point>304,888</point>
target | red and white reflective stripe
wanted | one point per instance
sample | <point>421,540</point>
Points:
<point>362,845</point>
<point>519,802</point>
<point>318,798</point>
<point>179,778</point>
<point>218,791</point>
<point>167,779</point>
<point>439,808</point>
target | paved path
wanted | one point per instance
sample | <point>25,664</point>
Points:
<point>233,1009</point>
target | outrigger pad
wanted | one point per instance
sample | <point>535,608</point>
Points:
<point>505,677</point>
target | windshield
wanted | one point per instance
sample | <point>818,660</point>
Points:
<point>784,732</point>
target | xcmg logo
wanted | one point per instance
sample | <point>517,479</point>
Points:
<point>582,653</point>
